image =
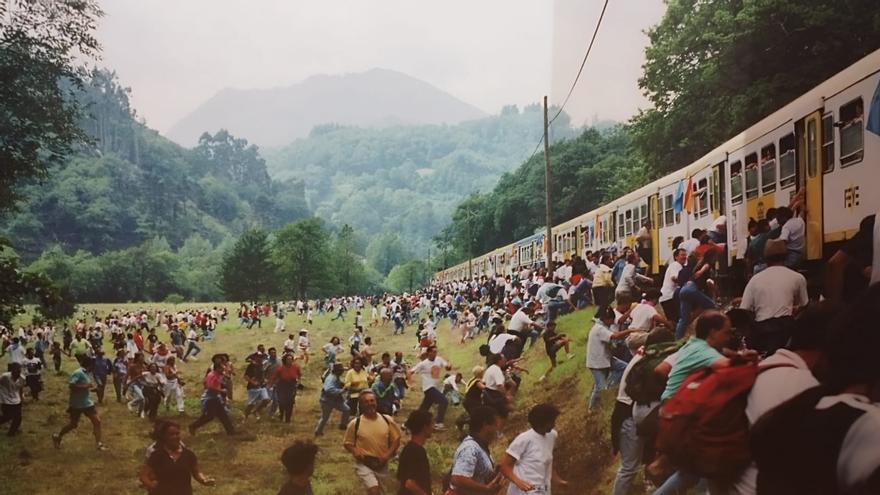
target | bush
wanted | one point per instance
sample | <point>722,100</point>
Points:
<point>174,299</point>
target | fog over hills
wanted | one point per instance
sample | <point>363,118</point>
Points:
<point>277,116</point>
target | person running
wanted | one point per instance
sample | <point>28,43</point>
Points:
<point>173,386</point>
<point>413,468</point>
<point>213,401</point>
<point>606,369</point>
<point>473,470</point>
<point>528,462</point>
<point>285,380</point>
<point>553,342</point>
<point>171,466</point>
<point>11,385</point>
<point>192,347</point>
<point>257,394</point>
<point>154,390</point>
<point>299,462</point>
<point>333,397</point>
<point>303,344</point>
<point>430,370</point>
<point>81,404</point>
<point>373,440</point>
<point>33,368</point>
<point>356,379</point>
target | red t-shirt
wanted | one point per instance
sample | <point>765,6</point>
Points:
<point>287,373</point>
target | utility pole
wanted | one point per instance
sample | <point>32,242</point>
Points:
<point>548,260</point>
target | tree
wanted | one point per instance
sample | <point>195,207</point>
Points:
<point>408,276</point>
<point>347,266</point>
<point>714,67</point>
<point>301,252</point>
<point>247,272</point>
<point>41,46</point>
<point>385,251</point>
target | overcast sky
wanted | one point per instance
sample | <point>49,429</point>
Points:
<point>175,55</point>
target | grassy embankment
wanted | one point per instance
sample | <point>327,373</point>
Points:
<point>29,463</point>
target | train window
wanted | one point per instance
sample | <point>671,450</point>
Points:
<point>621,226</point>
<point>768,168</point>
<point>852,145</point>
<point>668,210</point>
<point>629,223</point>
<point>827,143</point>
<point>752,176</point>
<point>786,161</point>
<point>702,197</point>
<point>736,183</point>
<point>643,210</point>
<point>812,156</point>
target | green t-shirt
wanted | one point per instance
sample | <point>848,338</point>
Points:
<point>79,347</point>
<point>80,398</point>
<point>695,354</point>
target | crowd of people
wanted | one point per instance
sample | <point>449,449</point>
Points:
<point>777,377</point>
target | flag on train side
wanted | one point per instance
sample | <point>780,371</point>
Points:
<point>874,112</point>
<point>678,198</point>
<point>689,196</point>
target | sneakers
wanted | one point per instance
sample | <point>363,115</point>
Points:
<point>101,447</point>
<point>569,356</point>
<point>543,377</point>
<point>439,426</point>
<point>56,440</point>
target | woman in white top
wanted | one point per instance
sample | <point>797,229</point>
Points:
<point>528,462</point>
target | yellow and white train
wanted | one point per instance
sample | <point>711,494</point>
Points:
<point>820,144</point>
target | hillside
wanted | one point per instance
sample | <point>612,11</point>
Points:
<point>275,117</point>
<point>407,180</point>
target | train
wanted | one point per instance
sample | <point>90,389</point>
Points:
<point>825,145</point>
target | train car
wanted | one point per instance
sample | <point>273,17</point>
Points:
<point>818,149</point>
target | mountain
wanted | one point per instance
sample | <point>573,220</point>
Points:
<point>405,181</point>
<point>275,117</point>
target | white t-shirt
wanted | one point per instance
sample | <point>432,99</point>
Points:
<point>520,321</point>
<point>689,245</point>
<point>792,233</point>
<point>534,461</point>
<point>16,353</point>
<point>642,316</point>
<point>499,341</point>
<point>493,378</point>
<point>431,372</point>
<point>668,288</point>
<point>598,352</point>
<point>774,292</point>
<point>627,278</point>
<point>857,459</point>
<point>289,344</point>
<point>10,389</point>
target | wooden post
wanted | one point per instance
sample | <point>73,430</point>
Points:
<point>547,198</point>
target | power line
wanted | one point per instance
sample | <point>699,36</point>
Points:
<point>586,55</point>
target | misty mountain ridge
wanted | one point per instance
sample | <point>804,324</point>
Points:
<point>376,98</point>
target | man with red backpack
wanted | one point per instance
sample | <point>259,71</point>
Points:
<point>704,350</point>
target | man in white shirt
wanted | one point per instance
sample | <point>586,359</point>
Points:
<point>692,243</point>
<point>528,462</point>
<point>15,350</point>
<point>430,370</point>
<point>774,295</point>
<point>792,233</point>
<point>670,284</point>
<point>11,384</point>
<point>522,325</point>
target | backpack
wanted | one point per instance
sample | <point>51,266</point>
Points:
<point>703,428</point>
<point>644,386</point>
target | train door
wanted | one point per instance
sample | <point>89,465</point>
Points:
<point>654,216</point>
<point>809,155</point>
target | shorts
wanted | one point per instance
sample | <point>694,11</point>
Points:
<point>371,478</point>
<point>255,395</point>
<point>552,349</point>
<point>76,412</point>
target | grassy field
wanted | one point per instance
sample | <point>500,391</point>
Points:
<point>29,463</point>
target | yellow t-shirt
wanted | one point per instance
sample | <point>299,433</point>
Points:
<point>355,381</point>
<point>374,435</point>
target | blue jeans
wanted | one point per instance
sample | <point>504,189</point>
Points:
<point>434,396</point>
<point>631,446</point>
<point>327,407</point>
<point>192,346</point>
<point>681,482</point>
<point>555,308</point>
<point>604,378</point>
<point>690,297</point>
